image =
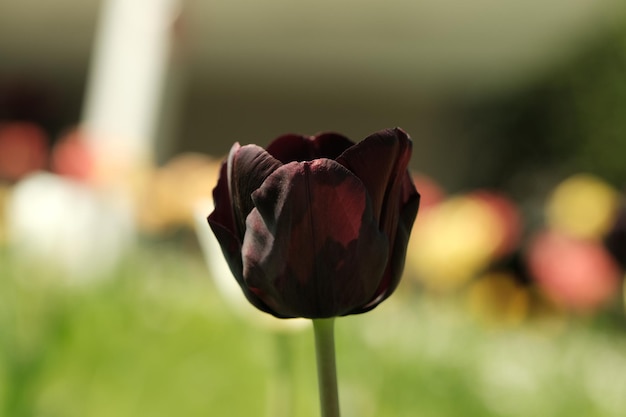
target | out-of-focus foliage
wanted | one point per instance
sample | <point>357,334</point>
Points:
<point>571,121</point>
<point>597,120</point>
<point>156,339</point>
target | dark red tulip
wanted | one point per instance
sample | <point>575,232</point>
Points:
<point>316,226</point>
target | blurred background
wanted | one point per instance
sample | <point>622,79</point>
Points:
<point>115,116</point>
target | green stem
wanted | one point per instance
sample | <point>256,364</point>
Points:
<point>281,402</point>
<point>326,368</point>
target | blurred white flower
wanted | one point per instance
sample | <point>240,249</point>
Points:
<point>68,226</point>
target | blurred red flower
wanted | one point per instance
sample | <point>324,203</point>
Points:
<point>23,149</point>
<point>576,274</point>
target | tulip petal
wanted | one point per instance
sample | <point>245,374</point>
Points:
<point>291,147</point>
<point>393,193</point>
<point>312,246</point>
<point>410,205</point>
<point>380,161</point>
<point>248,167</point>
<point>223,226</point>
<point>222,215</point>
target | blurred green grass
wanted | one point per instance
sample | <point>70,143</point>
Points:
<point>156,339</point>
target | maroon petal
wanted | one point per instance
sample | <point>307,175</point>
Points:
<point>228,242</point>
<point>380,161</point>
<point>410,200</point>
<point>222,224</point>
<point>248,167</point>
<point>291,147</point>
<point>312,246</point>
<point>222,215</point>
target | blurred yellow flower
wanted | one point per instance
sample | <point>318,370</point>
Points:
<point>582,206</point>
<point>455,240</point>
<point>497,298</point>
<point>172,191</point>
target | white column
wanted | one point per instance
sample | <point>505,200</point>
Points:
<point>125,85</point>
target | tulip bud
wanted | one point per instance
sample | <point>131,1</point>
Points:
<point>316,227</point>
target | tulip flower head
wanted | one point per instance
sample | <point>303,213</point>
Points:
<point>316,227</point>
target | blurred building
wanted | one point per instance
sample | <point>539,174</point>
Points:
<point>487,89</point>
